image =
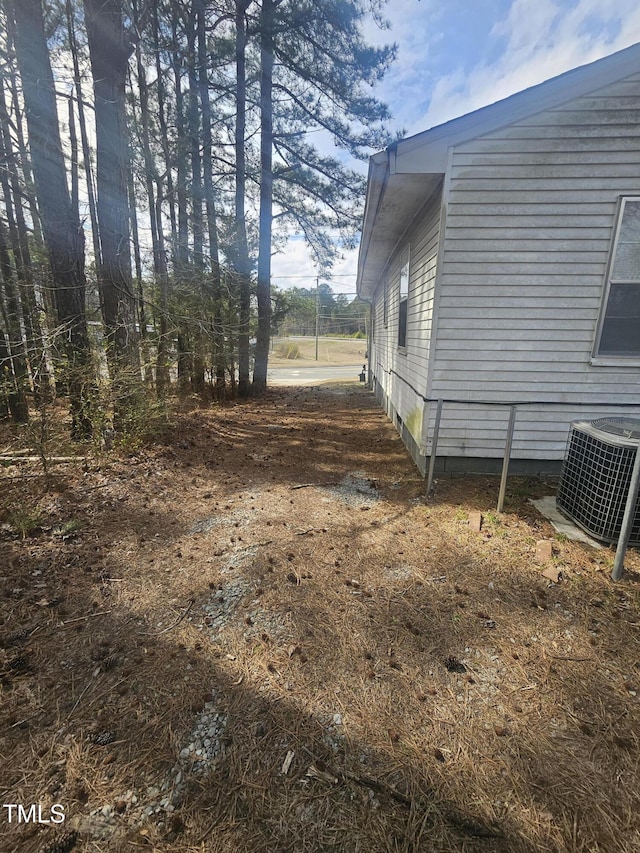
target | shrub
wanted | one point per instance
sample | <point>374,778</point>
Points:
<point>289,351</point>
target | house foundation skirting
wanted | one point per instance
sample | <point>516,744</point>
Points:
<point>452,466</point>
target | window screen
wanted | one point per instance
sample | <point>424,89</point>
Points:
<point>620,324</point>
<point>404,299</point>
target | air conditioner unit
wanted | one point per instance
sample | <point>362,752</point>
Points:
<point>596,474</point>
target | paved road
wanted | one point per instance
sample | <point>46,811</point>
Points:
<point>311,375</point>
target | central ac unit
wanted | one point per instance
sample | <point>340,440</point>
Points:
<point>596,475</point>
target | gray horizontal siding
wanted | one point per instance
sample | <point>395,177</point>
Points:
<point>557,234</point>
<point>534,147</point>
<point>451,346</point>
<point>514,326</point>
<point>402,374</point>
<point>538,156</point>
<point>530,215</point>
<point>515,207</point>
<point>508,290</point>
<point>571,131</point>
<point>463,427</point>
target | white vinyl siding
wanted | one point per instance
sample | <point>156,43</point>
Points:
<point>530,218</point>
<point>402,373</point>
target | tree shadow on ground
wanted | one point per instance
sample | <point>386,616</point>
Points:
<point>423,678</point>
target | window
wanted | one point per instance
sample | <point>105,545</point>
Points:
<point>619,333</point>
<point>404,299</point>
<point>385,303</point>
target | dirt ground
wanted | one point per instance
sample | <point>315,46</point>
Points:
<point>258,634</point>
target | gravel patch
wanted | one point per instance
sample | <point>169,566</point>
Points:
<point>400,573</point>
<point>240,558</point>
<point>333,735</point>
<point>222,606</point>
<point>203,747</point>
<point>204,525</point>
<point>267,622</point>
<point>355,489</point>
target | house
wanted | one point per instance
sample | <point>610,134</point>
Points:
<point>500,253</point>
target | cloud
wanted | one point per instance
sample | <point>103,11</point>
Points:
<point>461,55</point>
<point>293,268</point>
<point>542,39</point>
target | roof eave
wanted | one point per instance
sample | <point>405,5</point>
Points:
<point>426,154</point>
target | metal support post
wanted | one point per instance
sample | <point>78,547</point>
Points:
<point>434,447</point>
<point>627,519</point>
<point>507,457</point>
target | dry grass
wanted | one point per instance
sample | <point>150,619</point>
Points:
<point>331,351</point>
<point>272,580</point>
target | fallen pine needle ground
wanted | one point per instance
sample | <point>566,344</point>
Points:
<point>258,634</point>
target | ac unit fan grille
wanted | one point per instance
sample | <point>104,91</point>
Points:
<point>627,427</point>
<point>595,482</point>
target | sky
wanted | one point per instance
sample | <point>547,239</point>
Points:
<point>455,56</point>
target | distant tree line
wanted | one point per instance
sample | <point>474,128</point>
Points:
<point>153,155</point>
<point>296,311</point>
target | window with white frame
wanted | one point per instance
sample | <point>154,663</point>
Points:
<point>385,303</point>
<point>619,330</point>
<point>404,299</point>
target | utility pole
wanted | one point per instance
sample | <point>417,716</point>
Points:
<point>317,312</point>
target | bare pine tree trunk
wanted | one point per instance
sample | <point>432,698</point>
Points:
<point>266,197</point>
<point>19,239</point>
<point>163,379</point>
<point>181,250</point>
<point>141,313</point>
<point>110,51</point>
<point>155,222</point>
<point>181,246</point>
<point>7,387</point>
<point>164,130</point>
<point>86,153</point>
<point>61,228</point>
<point>162,368</point>
<point>197,224</point>
<point>241,247</point>
<point>19,374</point>
<point>197,221</point>
<point>209,198</point>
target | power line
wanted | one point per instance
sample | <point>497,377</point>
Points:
<point>314,277</point>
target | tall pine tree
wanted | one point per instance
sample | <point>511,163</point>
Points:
<point>317,74</point>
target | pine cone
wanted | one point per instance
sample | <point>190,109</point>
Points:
<point>62,844</point>
<point>18,637</point>
<point>19,664</point>
<point>454,665</point>
<point>110,662</point>
<point>102,738</point>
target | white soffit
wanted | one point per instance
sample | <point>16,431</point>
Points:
<point>387,216</point>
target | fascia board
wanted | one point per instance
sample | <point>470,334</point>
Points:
<point>376,182</point>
